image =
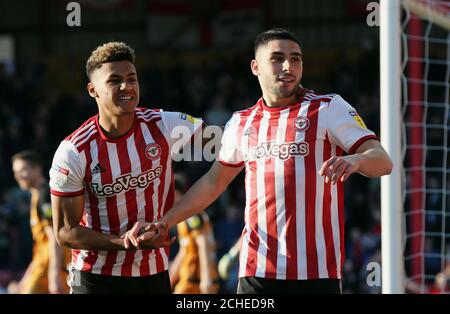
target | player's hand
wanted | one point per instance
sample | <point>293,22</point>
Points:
<point>145,235</point>
<point>148,231</point>
<point>339,168</point>
<point>130,237</point>
<point>161,238</point>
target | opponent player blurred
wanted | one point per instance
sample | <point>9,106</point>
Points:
<point>47,271</point>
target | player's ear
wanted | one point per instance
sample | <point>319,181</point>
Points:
<point>254,66</point>
<point>91,90</point>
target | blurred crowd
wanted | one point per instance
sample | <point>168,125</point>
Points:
<point>34,113</point>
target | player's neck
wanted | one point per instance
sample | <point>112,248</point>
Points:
<point>272,101</point>
<point>116,126</point>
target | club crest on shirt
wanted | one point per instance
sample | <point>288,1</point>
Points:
<point>153,151</point>
<point>301,123</point>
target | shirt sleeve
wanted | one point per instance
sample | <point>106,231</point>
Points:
<point>67,171</point>
<point>230,154</point>
<point>180,129</point>
<point>345,127</point>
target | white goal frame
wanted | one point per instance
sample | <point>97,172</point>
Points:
<point>390,132</point>
<point>392,189</point>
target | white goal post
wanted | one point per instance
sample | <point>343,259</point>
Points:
<point>415,130</point>
<point>390,132</point>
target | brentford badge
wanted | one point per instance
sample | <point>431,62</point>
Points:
<point>301,123</point>
<point>153,151</point>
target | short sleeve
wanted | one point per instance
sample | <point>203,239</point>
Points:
<point>180,128</point>
<point>230,154</point>
<point>345,127</point>
<point>67,171</point>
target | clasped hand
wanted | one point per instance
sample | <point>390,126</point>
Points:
<point>147,235</point>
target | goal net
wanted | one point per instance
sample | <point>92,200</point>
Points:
<point>425,45</point>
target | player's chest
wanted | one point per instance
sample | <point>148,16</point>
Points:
<point>283,137</point>
<point>117,168</point>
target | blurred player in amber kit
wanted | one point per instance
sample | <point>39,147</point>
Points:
<point>194,269</point>
<point>47,271</point>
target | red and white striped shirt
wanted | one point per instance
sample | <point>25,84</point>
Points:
<point>123,180</point>
<point>294,224</point>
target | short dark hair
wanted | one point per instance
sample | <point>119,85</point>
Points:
<point>274,34</point>
<point>30,156</point>
<point>109,52</point>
